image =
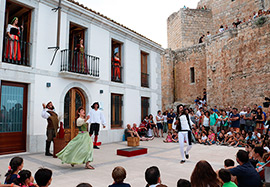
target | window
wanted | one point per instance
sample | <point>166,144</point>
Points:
<point>117,68</point>
<point>192,75</point>
<point>116,110</point>
<point>144,70</point>
<point>144,107</point>
<point>16,44</point>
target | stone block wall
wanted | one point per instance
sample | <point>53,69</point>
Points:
<point>194,56</point>
<point>186,26</point>
<point>167,81</point>
<point>238,66</point>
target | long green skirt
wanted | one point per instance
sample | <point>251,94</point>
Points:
<point>78,151</point>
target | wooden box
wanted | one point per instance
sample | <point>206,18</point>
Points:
<point>133,141</point>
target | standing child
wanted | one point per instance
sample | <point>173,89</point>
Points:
<point>15,165</point>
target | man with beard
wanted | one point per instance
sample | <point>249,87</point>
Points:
<point>52,119</point>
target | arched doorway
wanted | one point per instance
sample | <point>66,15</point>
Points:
<point>73,100</point>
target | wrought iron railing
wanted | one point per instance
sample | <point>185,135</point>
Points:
<point>117,73</point>
<point>16,52</point>
<point>77,62</point>
<point>145,80</point>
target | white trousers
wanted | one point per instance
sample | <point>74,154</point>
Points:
<point>182,136</point>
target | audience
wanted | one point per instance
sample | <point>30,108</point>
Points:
<point>246,174</point>
<point>183,183</point>
<point>24,179</point>
<point>84,185</point>
<point>152,177</point>
<point>43,177</point>
<point>203,175</point>
<point>225,176</point>
<point>15,165</point>
<point>119,174</point>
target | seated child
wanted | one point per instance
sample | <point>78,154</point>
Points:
<point>236,140</point>
<point>169,138</point>
<point>24,179</point>
<point>220,139</point>
<point>203,139</point>
<point>211,138</point>
<point>43,177</point>
<point>15,165</point>
<point>183,183</point>
<point>197,134</point>
<point>175,136</point>
<point>228,163</point>
<point>225,176</point>
<point>119,175</point>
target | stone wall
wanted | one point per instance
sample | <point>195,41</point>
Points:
<point>186,26</point>
<point>167,81</point>
<point>234,66</point>
<point>194,56</point>
<point>238,66</point>
<point>225,12</point>
<point>176,79</point>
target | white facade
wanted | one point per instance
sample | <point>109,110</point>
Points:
<point>99,33</point>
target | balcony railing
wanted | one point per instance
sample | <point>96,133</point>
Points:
<point>117,73</point>
<point>77,62</point>
<point>145,80</point>
<point>16,52</point>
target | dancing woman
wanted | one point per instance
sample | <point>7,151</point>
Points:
<point>80,149</point>
<point>184,126</point>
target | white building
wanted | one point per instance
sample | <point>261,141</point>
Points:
<point>75,78</point>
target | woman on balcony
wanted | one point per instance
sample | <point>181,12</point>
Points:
<point>116,67</point>
<point>81,66</point>
<point>13,49</point>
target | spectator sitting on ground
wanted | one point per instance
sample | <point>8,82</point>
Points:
<point>119,175</point>
<point>220,139</point>
<point>136,133</point>
<point>175,136</point>
<point>84,185</point>
<point>43,177</point>
<point>225,176</point>
<point>246,174</point>
<point>169,138</point>
<point>211,138</point>
<point>228,163</point>
<point>203,139</point>
<point>183,183</point>
<point>258,153</point>
<point>152,177</point>
<point>203,175</point>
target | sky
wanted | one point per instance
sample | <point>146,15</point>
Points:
<point>147,17</point>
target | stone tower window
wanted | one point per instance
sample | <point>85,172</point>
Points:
<point>192,75</point>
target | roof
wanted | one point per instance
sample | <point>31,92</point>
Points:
<point>81,5</point>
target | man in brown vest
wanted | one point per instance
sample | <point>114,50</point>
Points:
<point>53,121</point>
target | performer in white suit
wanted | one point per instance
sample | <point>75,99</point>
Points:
<point>96,118</point>
<point>184,126</point>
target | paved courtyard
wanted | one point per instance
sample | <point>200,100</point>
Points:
<point>165,156</point>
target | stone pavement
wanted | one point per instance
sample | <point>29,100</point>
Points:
<point>164,155</point>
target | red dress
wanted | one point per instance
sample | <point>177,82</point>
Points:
<point>13,49</point>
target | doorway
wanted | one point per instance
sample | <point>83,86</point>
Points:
<point>13,113</point>
<point>73,100</point>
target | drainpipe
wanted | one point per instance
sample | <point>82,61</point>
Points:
<point>56,48</point>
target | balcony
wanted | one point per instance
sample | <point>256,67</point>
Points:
<point>145,80</point>
<point>79,65</point>
<point>16,52</point>
<point>117,73</point>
